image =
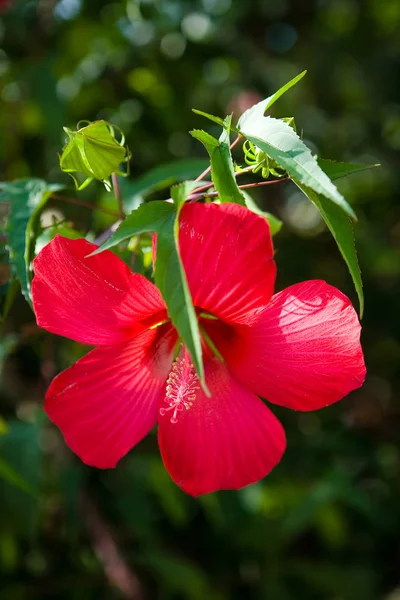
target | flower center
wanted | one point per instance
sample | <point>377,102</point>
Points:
<point>181,388</point>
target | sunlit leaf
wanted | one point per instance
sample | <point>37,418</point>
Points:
<point>265,104</point>
<point>272,99</point>
<point>341,228</point>
<point>259,109</point>
<point>213,118</point>
<point>279,141</point>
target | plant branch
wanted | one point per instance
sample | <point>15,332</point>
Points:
<point>118,196</point>
<point>89,205</point>
<point>206,194</point>
<point>260,183</point>
<point>203,174</point>
<point>235,142</point>
<point>204,187</point>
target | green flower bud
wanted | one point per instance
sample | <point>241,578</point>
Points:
<point>94,151</point>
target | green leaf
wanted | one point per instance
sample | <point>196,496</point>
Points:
<point>7,301</point>
<point>26,197</point>
<point>333,487</point>
<point>147,218</point>
<point>180,578</point>
<point>20,476</point>
<point>94,151</point>
<point>280,142</point>
<point>335,169</point>
<point>341,229</point>
<point>261,107</point>
<point>213,118</point>
<point>327,580</point>
<point>9,284</point>
<point>222,171</point>
<point>272,99</point>
<point>160,178</point>
<point>180,192</point>
<point>275,224</point>
<point>3,426</point>
<point>171,280</point>
<point>163,218</point>
<point>9,474</point>
<point>7,343</point>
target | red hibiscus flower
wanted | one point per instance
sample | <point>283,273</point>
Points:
<point>299,348</point>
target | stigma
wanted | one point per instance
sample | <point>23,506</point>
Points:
<point>181,387</point>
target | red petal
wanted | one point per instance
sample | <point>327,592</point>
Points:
<point>95,300</point>
<point>304,352</point>
<point>108,401</point>
<point>228,258</point>
<point>224,442</point>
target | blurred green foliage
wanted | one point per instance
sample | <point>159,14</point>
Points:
<point>325,524</point>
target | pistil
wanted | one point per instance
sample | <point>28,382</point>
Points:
<point>181,387</point>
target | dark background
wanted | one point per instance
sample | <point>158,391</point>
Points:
<point>325,524</point>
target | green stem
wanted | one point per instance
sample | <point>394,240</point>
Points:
<point>203,174</point>
<point>245,170</point>
<point>207,171</point>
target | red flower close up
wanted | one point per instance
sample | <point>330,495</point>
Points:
<point>299,348</point>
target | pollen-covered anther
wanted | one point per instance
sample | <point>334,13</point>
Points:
<point>181,388</point>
